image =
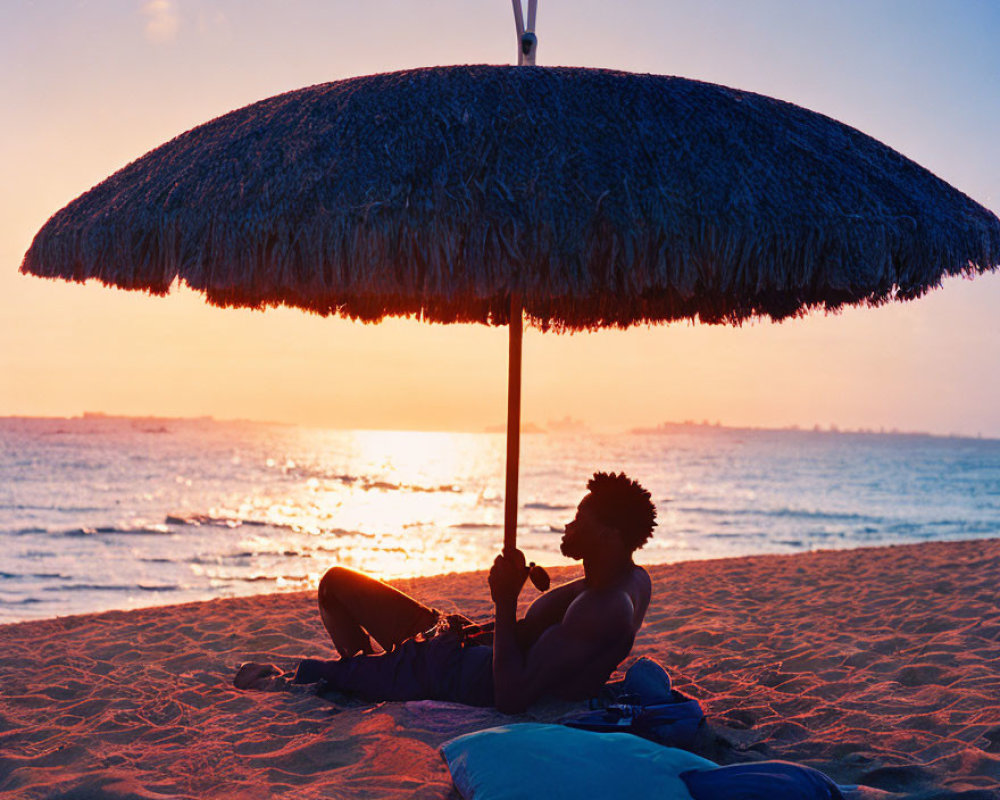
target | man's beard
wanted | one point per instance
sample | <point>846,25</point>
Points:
<point>568,549</point>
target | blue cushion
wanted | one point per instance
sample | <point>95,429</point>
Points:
<point>761,780</point>
<point>533,761</point>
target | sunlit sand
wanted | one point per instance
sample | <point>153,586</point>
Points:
<point>877,666</point>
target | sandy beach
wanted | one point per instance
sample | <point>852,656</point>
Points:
<point>878,666</point>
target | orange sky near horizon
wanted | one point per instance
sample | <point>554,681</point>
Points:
<point>87,90</point>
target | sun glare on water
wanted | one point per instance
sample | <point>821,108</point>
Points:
<point>390,503</point>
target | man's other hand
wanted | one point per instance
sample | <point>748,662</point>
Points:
<point>507,577</point>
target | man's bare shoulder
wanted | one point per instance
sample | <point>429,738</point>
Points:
<point>641,589</point>
<point>642,583</point>
<point>602,605</point>
<point>623,604</point>
<point>602,610</point>
<point>636,585</point>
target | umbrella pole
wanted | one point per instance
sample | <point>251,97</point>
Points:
<point>526,44</point>
<point>513,424</point>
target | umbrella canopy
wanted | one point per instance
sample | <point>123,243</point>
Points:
<point>602,198</point>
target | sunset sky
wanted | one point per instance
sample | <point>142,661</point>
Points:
<point>88,87</point>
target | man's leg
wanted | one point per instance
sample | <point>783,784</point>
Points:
<point>436,669</point>
<point>354,606</point>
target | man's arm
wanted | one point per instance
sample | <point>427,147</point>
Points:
<point>592,623</point>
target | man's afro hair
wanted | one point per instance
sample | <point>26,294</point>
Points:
<point>621,503</point>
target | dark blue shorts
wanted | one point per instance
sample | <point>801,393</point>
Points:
<point>441,668</point>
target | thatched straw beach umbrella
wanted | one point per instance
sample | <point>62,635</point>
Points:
<point>586,197</point>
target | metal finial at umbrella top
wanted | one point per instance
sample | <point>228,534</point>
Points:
<point>593,197</point>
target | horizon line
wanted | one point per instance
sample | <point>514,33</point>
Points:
<point>566,426</point>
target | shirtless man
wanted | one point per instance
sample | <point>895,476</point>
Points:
<point>567,645</point>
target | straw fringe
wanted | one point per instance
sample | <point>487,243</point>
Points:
<point>607,199</point>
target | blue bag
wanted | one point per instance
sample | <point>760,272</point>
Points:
<point>646,705</point>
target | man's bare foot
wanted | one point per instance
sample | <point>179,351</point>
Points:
<point>260,677</point>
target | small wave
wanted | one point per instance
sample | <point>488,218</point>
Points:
<point>343,532</point>
<point>60,509</point>
<point>197,520</point>
<point>79,532</point>
<point>965,525</point>
<point>965,528</point>
<point>90,587</point>
<point>708,511</point>
<point>111,530</point>
<point>794,513</point>
<point>547,506</point>
<point>387,486</point>
<point>153,530</point>
<point>210,560</point>
<point>212,521</point>
<point>245,554</point>
<point>475,526</point>
<point>449,488</point>
<point>293,579</point>
<point>21,601</point>
<point>41,576</point>
<point>285,553</point>
<point>367,484</point>
<point>903,527</point>
<point>111,587</point>
<point>943,528</point>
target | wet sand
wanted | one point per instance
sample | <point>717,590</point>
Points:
<point>879,666</point>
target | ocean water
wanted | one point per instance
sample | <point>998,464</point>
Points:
<point>99,513</point>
